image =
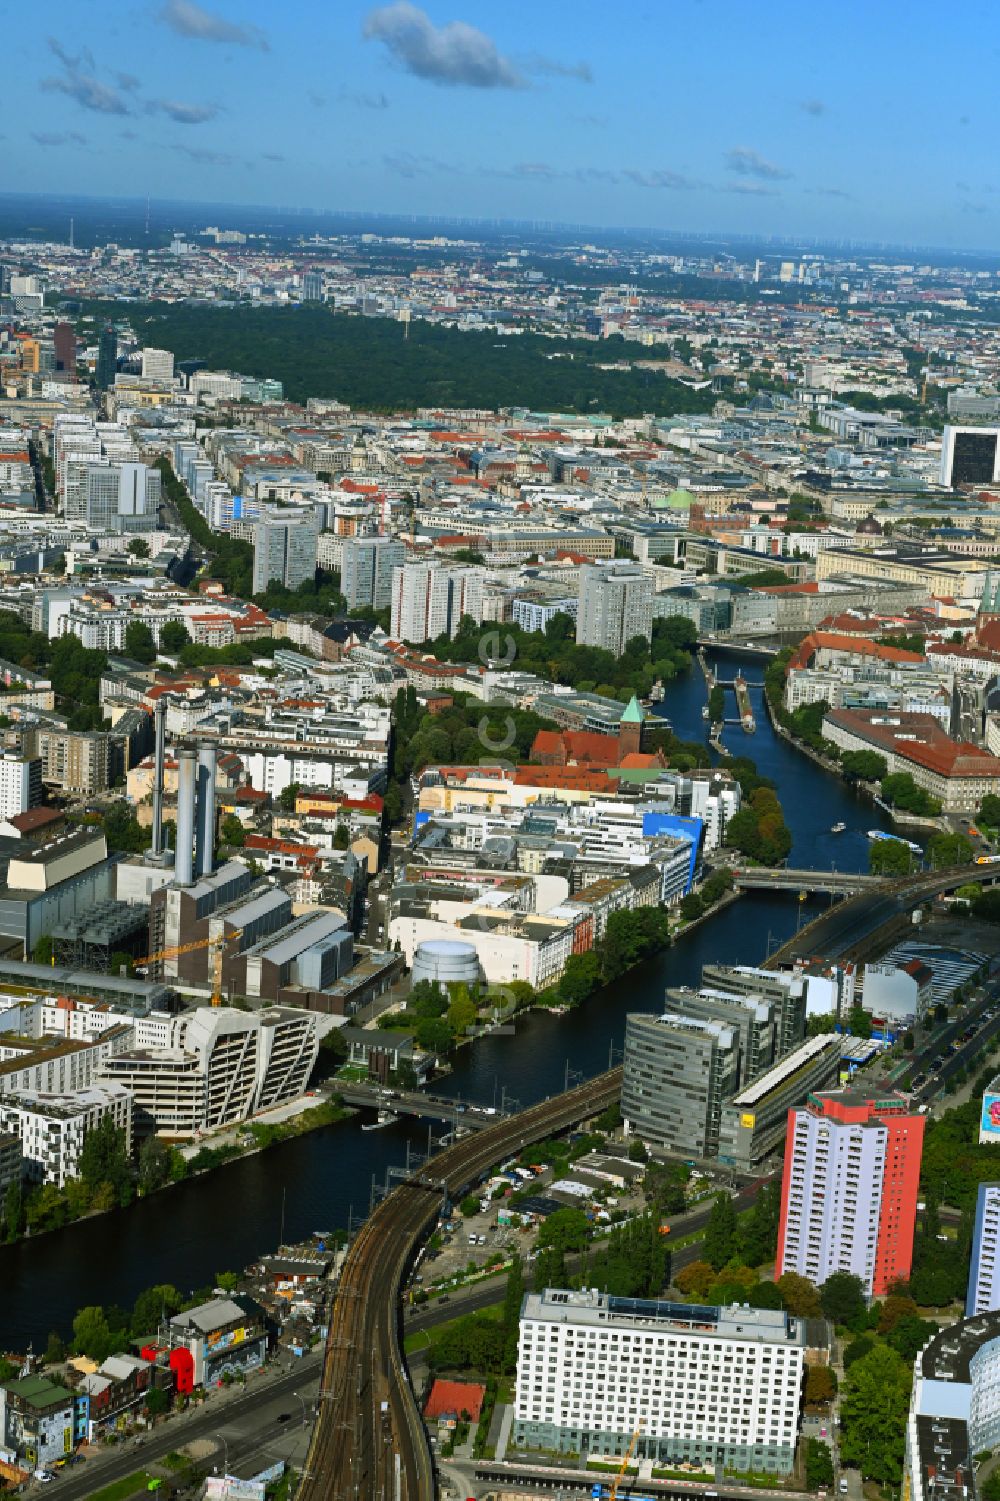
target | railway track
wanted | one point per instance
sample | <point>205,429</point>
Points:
<point>369,1442</point>
<point>855,923</point>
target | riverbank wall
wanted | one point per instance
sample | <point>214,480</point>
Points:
<point>934,825</point>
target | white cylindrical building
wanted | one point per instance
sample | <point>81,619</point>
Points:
<point>446,962</point>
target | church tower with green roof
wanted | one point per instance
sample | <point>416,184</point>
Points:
<point>989,605</point>
<point>630,729</point>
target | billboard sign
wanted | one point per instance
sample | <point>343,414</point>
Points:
<point>989,1119</point>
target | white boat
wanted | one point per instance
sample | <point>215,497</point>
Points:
<point>704,711</point>
<point>384,1118</point>
<point>881,834</point>
<point>838,828</point>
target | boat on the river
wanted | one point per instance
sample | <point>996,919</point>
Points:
<point>838,828</point>
<point>881,834</point>
<point>384,1118</point>
<point>704,711</point>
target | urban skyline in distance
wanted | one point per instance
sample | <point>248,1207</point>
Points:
<point>685,119</point>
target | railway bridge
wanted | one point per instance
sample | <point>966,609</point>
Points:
<point>369,1440</point>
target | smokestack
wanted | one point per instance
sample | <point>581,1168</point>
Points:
<point>160,721</point>
<point>186,777</point>
<point>205,840</point>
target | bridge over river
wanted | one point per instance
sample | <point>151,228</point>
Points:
<point>833,882</point>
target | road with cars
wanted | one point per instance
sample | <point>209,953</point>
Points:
<point>261,1420</point>
<point>960,1043</point>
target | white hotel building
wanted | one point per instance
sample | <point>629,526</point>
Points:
<point>707,1385</point>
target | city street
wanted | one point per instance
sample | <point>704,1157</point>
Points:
<point>245,1422</point>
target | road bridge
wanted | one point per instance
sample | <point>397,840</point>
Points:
<point>369,1440</point>
<point>834,882</point>
<point>744,646</point>
<point>413,1102</point>
<point>852,929</point>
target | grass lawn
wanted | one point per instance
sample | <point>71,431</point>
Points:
<point>120,1489</point>
<point>426,1339</point>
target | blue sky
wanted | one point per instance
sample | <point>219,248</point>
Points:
<point>863,120</point>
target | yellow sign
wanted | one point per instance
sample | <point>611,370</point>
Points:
<point>67,1440</point>
<point>749,1121</point>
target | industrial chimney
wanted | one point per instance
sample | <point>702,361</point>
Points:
<point>205,838</point>
<point>186,789</point>
<point>160,721</point>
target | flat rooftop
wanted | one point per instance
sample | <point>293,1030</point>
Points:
<point>783,1071</point>
<point>733,1322</point>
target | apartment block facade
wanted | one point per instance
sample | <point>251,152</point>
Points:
<point>702,1385</point>
<point>366,570</point>
<point>983,1295</point>
<point>849,1189</point>
<point>616,604</point>
<point>214,1067</point>
<point>53,1127</point>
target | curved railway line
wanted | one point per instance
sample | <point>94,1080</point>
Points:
<point>369,1442</point>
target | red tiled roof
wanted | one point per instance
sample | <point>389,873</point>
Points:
<point>858,646</point>
<point>571,777</point>
<point>918,738</point>
<point>34,818</point>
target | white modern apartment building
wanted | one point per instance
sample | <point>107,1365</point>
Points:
<point>56,1066</point>
<point>984,1272</point>
<point>215,1066</point>
<point>53,1127</point>
<point>954,1410</point>
<point>20,784</point>
<point>429,600</point>
<point>705,1385</point>
<point>616,604</point>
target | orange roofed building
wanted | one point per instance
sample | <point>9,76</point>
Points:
<point>960,775</point>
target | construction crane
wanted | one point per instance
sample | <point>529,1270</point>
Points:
<point>215,944</point>
<point>612,1494</point>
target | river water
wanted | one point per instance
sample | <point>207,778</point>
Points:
<point>222,1220</point>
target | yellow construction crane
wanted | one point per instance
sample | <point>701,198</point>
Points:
<point>215,944</point>
<point>616,1483</point>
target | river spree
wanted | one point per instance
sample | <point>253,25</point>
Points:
<point>222,1220</point>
